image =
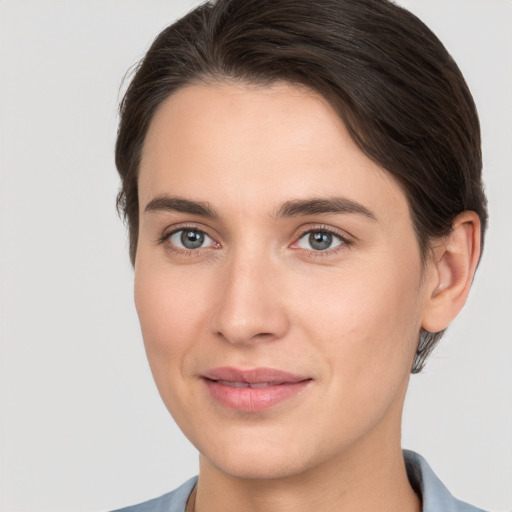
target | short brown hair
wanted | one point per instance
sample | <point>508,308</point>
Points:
<point>401,96</point>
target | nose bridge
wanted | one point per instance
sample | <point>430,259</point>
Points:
<point>249,306</point>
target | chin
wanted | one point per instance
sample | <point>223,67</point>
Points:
<point>255,456</point>
<point>255,466</point>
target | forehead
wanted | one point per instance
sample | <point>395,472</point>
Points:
<point>261,145</point>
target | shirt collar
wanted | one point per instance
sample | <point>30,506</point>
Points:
<point>434,494</point>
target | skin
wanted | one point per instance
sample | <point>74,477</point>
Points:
<point>256,294</point>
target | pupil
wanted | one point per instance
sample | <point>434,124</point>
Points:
<point>192,239</point>
<point>320,240</point>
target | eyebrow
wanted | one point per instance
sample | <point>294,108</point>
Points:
<point>293,208</point>
<point>298,207</point>
<point>178,204</point>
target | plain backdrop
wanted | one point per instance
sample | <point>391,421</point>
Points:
<point>82,427</point>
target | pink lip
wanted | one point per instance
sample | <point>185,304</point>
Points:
<point>252,390</point>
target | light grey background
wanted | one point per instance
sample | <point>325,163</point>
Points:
<point>81,426</point>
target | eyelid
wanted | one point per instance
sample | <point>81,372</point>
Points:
<point>176,228</point>
<point>173,239</point>
<point>346,239</point>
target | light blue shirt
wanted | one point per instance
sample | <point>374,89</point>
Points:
<point>436,497</point>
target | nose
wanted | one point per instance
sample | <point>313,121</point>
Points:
<point>251,305</point>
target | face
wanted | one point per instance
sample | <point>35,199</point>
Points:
<point>278,280</point>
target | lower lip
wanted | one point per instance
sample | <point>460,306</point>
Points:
<point>254,399</point>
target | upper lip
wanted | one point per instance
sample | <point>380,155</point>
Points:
<point>253,376</point>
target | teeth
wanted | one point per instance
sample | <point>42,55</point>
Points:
<point>260,385</point>
<point>234,384</point>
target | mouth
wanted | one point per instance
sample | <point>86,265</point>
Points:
<point>254,385</point>
<point>253,390</point>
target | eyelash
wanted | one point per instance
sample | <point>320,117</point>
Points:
<point>165,239</point>
<point>344,245</point>
<point>345,242</point>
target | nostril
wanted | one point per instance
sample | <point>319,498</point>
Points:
<point>240,337</point>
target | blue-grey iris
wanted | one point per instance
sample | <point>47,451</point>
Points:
<point>320,240</point>
<point>192,239</point>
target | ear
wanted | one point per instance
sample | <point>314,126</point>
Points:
<point>454,263</point>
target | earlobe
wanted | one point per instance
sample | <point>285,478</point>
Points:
<point>453,268</point>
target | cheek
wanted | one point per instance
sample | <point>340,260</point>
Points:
<point>169,311</point>
<point>365,326</point>
<point>367,319</point>
<point>170,318</point>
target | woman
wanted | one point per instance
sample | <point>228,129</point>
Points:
<point>302,184</point>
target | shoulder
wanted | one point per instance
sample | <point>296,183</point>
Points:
<point>173,501</point>
<point>433,492</point>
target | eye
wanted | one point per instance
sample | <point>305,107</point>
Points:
<point>190,239</point>
<point>319,240</point>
